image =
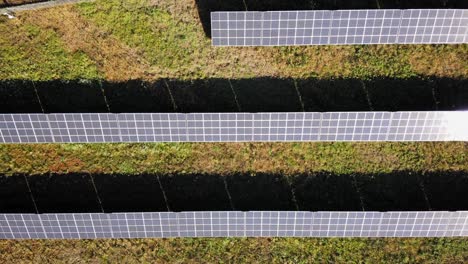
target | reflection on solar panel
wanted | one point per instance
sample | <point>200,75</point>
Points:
<point>280,28</point>
<point>234,127</point>
<point>235,224</point>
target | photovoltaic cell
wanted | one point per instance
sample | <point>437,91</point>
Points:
<point>234,127</point>
<point>234,224</point>
<point>322,27</point>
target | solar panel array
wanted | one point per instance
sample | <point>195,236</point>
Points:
<point>235,224</point>
<point>391,26</point>
<point>234,127</point>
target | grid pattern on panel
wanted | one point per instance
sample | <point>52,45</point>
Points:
<point>391,26</point>
<point>234,127</point>
<point>234,224</point>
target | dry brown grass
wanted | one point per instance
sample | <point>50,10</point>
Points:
<point>183,10</point>
<point>450,62</point>
<point>32,53</point>
<point>228,158</point>
<point>116,60</point>
<point>236,250</point>
<point>323,61</point>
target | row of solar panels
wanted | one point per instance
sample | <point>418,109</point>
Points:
<point>234,127</point>
<point>235,224</point>
<point>286,28</point>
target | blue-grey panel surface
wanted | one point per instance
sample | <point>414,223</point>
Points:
<point>323,27</point>
<point>234,127</point>
<point>234,224</point>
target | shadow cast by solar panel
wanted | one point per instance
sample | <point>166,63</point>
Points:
<point>263,94</point>
<point>207,6</point>
<point>319,191</point>
<point>15,196</point>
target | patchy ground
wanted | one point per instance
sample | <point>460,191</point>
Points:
<point>237,250</point>
<point>116,60</point>
<point>226,158</point>
<point>164,39</point>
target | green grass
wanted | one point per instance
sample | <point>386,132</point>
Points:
<point>364,62</point>
<point>383,62</point>
<point>169,36</point>
<point>32,53</point>
<point>163,40</point>
<point>237,250</point>
<point>178,44</point>
<point>226,158</point>
<point>170,42</point>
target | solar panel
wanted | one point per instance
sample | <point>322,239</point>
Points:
<point>234,224</point>
<point>391,26</point>
<point>234,127</point>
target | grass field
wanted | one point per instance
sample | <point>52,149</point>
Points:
<point>226,158</point>
<point>152,39</point>
<point>165,39</point>
<point>250,250</point>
